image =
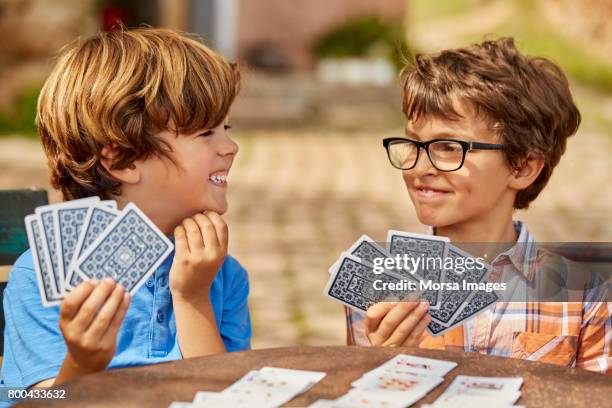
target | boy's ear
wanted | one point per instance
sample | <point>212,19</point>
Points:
<point>526,173</point>
<point>129,175</point>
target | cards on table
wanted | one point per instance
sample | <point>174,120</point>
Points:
<point>85,239</point>
<point>399,382</point>
<point>420,266</point>
<point>268,387</point>
<point>480,392</point>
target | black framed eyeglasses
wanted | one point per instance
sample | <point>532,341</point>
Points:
<point>444,154</point>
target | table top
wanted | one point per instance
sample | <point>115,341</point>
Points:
<point>544,385</point>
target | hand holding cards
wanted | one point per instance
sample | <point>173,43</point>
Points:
<point>413,266</point>
<point>87,239</point>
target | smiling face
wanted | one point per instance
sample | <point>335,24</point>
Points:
<point>196,181</point>
<point>478,192</point>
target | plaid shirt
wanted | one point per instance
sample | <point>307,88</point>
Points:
<point>571,334</point>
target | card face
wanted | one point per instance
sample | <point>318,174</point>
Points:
<point>402,384</point>
<point>129,251</point>
<point>48,293</point>
<point>476,303</point>
<point>498,390</point>
<point>352,284</point>
<point>364,399</point>
<point>203,396</point>
<point>428,366</point>
<point>303,375</point>
<point>453,301</point>
<point>272,389</point>
<point>69,219</point>
<point>430,249</point>
<point>98,218</point>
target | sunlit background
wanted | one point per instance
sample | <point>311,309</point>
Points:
<point>319,94</point>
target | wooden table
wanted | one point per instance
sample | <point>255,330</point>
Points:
<point>544,385</point>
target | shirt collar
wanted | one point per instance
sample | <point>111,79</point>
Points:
<point>522,255</point>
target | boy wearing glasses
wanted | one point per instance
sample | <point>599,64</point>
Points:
<point>486,126</point>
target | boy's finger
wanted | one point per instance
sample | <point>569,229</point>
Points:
<point>375,314</point>
<point>180,240</point>
<point>113,328</point>
<point>418,331</point>
<point>208,231</point>
<point>71,303</point>
<point>394,318</point>
<point>90,307</point>
<point>104,318</point>
<point>220,228</point>
<point>194,236</point>
<point>406,326</point>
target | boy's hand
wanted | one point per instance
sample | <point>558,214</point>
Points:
<point>394,324</point>
<point>90,318</point>
<point>201,247</point>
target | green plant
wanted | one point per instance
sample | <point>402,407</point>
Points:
<point>368,36</point>
<point>20,119</point>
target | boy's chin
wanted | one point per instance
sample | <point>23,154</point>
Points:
<point>219,208</point>
<point>433,219</point>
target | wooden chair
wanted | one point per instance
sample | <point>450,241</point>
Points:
<point>14,206</point>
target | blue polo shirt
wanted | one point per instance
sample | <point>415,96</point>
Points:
<point>34,348</point>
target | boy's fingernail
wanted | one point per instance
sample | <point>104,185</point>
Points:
<point>424,305</point>
<point>109,280</point>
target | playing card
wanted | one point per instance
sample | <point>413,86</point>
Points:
<point>326,403</point>
<point>471,401</point>
<point>476,303</point>
<point>413,364</point>
<point>69,218</point>
<point>366,249</point>
<point>49,255</point>
<point>352,284</point>
<point>129,251</point>
<point>430,249</point>
<point>395,371</point>
<point>501,390</point>
<point>404,386</point>
<point>357,398</point>
<point>272,389</point>
<point>180,404</point>
<point>46,284</point>
<point>98,218</point>
<point>307,376</point>
<point>453,301</point>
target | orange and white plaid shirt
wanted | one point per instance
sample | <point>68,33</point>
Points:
<point>571,334</point>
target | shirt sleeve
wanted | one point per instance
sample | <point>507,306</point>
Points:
<point>236,320</point>
<point>33,344</point>
<point>596,332</point>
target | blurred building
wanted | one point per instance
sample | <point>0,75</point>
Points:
<point>274,32</point>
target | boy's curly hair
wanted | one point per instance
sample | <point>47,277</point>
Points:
<point>119,89</point>
<point>526,99</point>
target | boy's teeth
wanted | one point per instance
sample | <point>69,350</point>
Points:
<point>218,179</point>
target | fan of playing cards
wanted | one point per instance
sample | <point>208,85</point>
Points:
<point>86,239</point>
<point>356,283</point>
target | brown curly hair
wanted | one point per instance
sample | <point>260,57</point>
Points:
<point>526,99</point>
<point>119,89</point>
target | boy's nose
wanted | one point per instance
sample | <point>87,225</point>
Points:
<point>227,147</point>
<point>423,166</point>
